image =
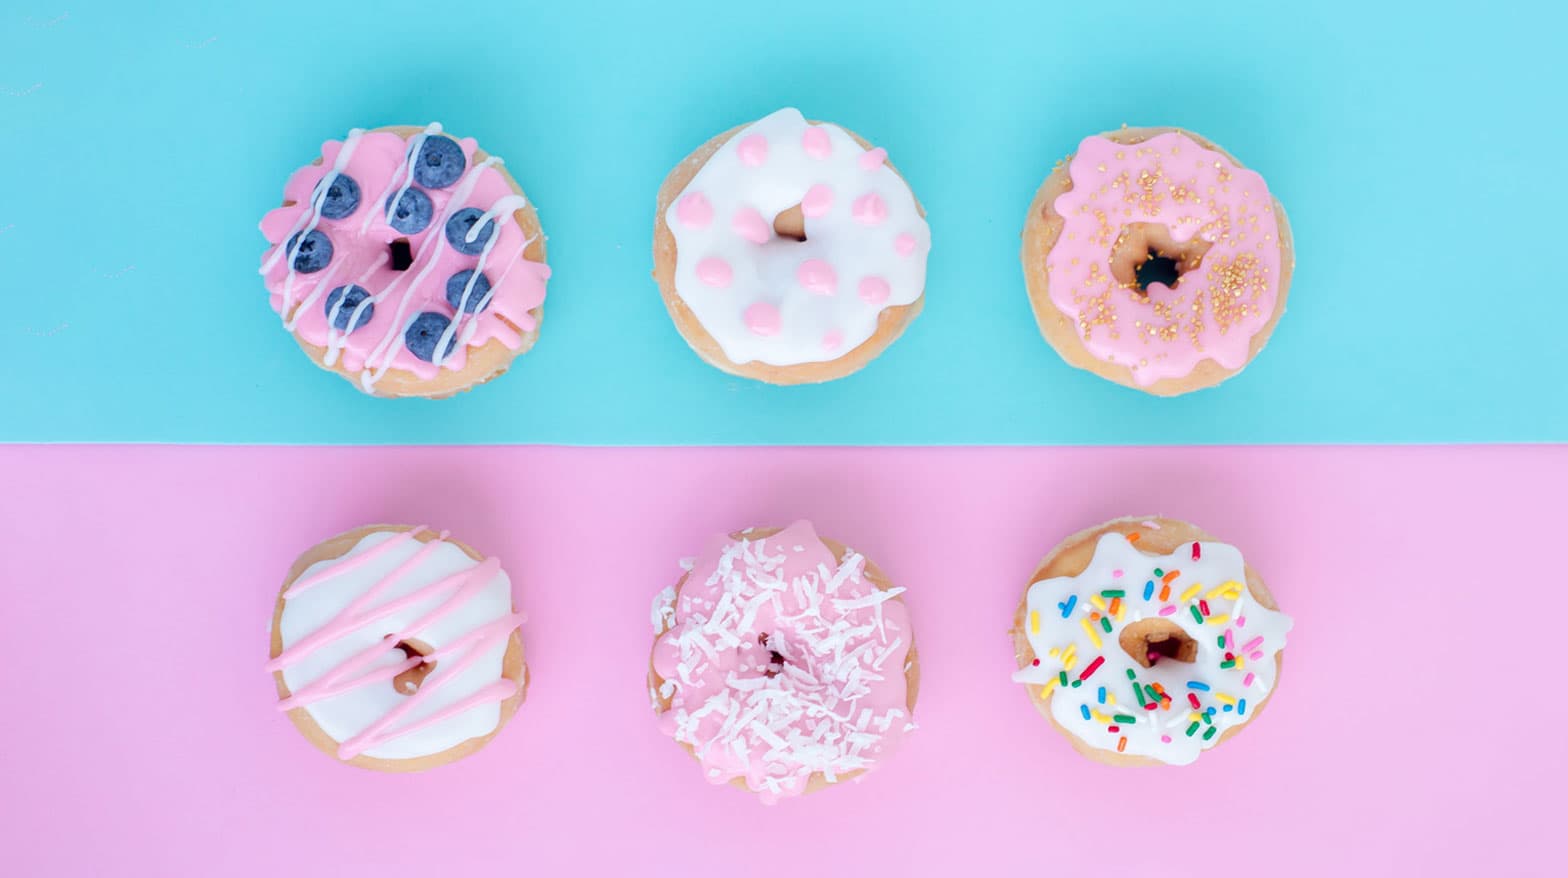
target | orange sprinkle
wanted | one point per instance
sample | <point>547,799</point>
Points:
<point>1169,576</point>
<point>1122,744</point>
<point>1116,606</point>
<point>1132,538</point>
<point>1165,592</point>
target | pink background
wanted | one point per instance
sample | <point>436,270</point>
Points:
<point>1418,729</point>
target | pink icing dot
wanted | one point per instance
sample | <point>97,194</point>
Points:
<point>818,277</point>
<point>832,340</point>
<point>763,319</point>
<point>1165,739</point>
<point>694,210</point>
<point>904,244</point>
<point>817,201</point>
<point>816,142</point>
<point>750,225</point>
<point>874,290</point>
<point>872,157</point>
<point>869,209</point>
<point>714,272</point>
<point>753,150</point>
<point>1116,574</point>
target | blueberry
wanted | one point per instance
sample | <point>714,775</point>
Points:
<point>425,332</point>
<point>439,163</point>
<point>342,197</point>
<point>476,296</point>
<point>351,296</point>
<point>313,253</point>
<point>413,211</point>
<point>458,226</point>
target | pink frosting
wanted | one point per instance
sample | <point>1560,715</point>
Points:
<point>360,256</point>
<point>781,663</point>
<point>1215,309</point>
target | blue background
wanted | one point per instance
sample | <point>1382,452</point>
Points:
<point>1418,151</point>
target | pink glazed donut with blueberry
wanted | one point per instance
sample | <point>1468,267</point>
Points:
<point>407,261</point>
<point>789,251</point>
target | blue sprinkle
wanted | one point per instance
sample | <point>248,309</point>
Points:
<point>1201,687</point>
<point>1148,589</point>
<point>1227,708</point>
<point>1241,707</point>
<point>1084,709</point>
<point>1102,694</point>
<point>1210,711</point>
<point>1067,608</point>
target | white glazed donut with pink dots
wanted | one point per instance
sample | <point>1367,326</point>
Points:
<point>766,298</point>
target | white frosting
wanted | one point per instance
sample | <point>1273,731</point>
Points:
<point>812,326</point>
<point>1059,631</point>
<point>347,714</point>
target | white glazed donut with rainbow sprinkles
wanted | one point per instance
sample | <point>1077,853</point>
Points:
<point>1146,642</point>
<point>789,251</point>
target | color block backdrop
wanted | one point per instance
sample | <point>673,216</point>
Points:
<point>1416,729</point>
<point>1414,148</point>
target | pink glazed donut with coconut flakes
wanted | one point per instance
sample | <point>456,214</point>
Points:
<point>1156,260</point>
<point>407,261</point>
<point>784,662</point>
<point>789,251</point>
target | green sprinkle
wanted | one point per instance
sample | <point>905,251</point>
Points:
<point>1106,624</point>
<point>1206,719</point>
<point>1192,729</point>
<point>1195,614</point>
<point>1138,691</point>
<point>1159,572</point>
<point>1114,593</point>
<point>1220,641</point>
<point>1228,664</point>
<point>1124,718</point>
<point>1210,733</point>
<point>1061,677</point>
<point>1131,675</point>
<point>1077,683</point>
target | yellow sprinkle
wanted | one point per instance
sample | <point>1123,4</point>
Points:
<point>1240,663</point>
<point>1110,698</point>
<point>1225,699</point>
<point>1068,662</point>
<point>1070,653</point>
<point>1049,685</point>
<point>1054,652</point>
<point>1232,585</point>
<point>1221,619</point>
<point>1196,717</point>
<point>1217,591</point>
<point>1099,717</point>
<point>1099,602</point>
<point>1094,636</point>
<point>1232,594</point>
<point>1034,621</point>
<point>1187,595</point>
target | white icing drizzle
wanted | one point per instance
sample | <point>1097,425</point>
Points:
<point>1062,623</point>
<point>404,170</point>
<point>308,221</point>
<point>800,325</point>
<point>503,205</point>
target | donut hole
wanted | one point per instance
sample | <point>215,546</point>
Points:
<point>408,682</point>
<point>401,253</point>
<point>1148,641</point>
<point>1145,254</point>
<point>776,660</point>
<point>791,224</point>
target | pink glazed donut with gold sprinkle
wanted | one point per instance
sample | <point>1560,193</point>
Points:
<point>407,261</point>
<point>789,251</point>
<point>1155,260</point>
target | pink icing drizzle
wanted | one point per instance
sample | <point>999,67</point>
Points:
<point>838,701</point>
<point>1216,308</point>
<point>361,242</point>
<point>363,610</point>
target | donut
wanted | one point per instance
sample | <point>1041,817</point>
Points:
<point>396,648</point>
<point>406,261</point>
<point>1145,642</point>
<point>783,662</point>
<point>1154,259</point>
<point>789,251</point>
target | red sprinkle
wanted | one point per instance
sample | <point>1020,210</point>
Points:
<point>1093,666</point>
<point>1037,663</point>
<point>1203,606</point>
<point>1151,705</point>
<point>1196,552</point>
<point>1193,700</point>
<point>1113,729</point>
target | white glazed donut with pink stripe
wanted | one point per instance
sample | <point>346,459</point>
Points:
<point>775,300</point>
